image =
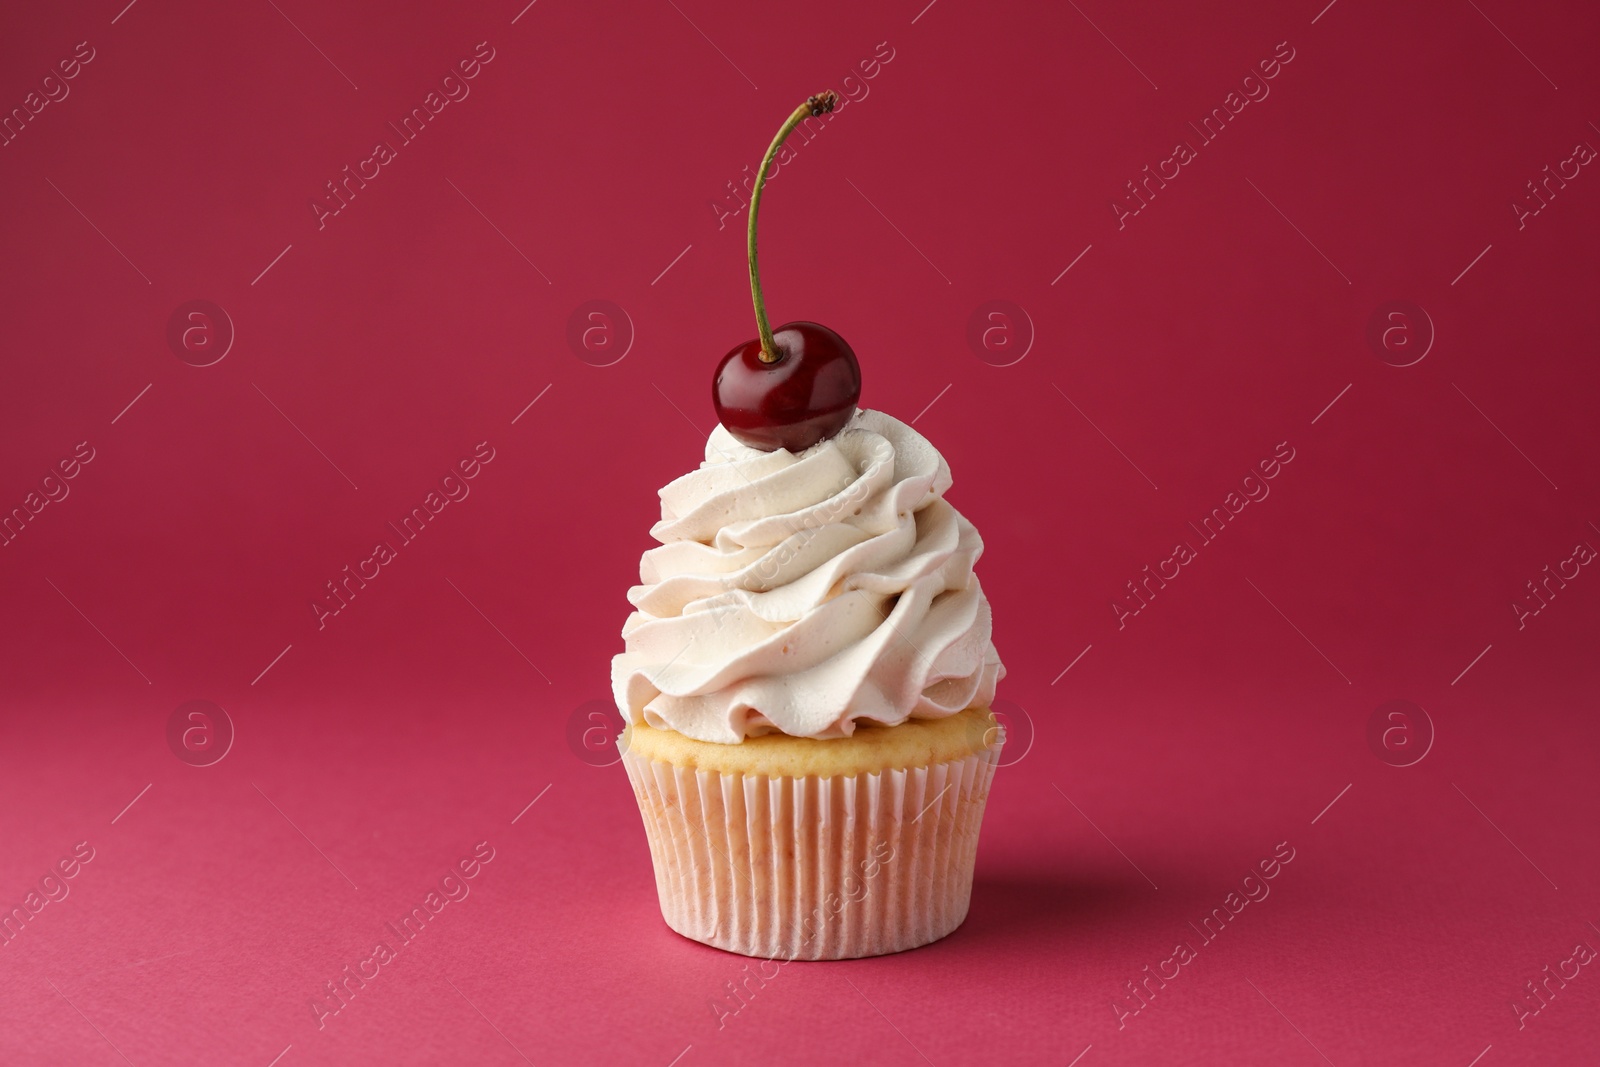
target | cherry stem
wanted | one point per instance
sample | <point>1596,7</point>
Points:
<point>820,104</point>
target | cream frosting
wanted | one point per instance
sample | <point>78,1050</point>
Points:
<point>804,592</point>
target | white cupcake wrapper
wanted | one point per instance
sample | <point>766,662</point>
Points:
<point>814,868</point>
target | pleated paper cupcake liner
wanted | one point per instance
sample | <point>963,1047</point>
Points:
<point>814,868</point>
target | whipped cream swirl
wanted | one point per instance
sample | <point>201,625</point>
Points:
<point>803,592</point>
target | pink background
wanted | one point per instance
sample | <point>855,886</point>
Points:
<point>977,164</point>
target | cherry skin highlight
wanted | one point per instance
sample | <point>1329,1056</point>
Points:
<point>805,395</point>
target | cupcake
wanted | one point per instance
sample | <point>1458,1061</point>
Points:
<point>808,669</point>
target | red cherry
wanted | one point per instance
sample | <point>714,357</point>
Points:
<point>792,388</point>
<point>804,396</point>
